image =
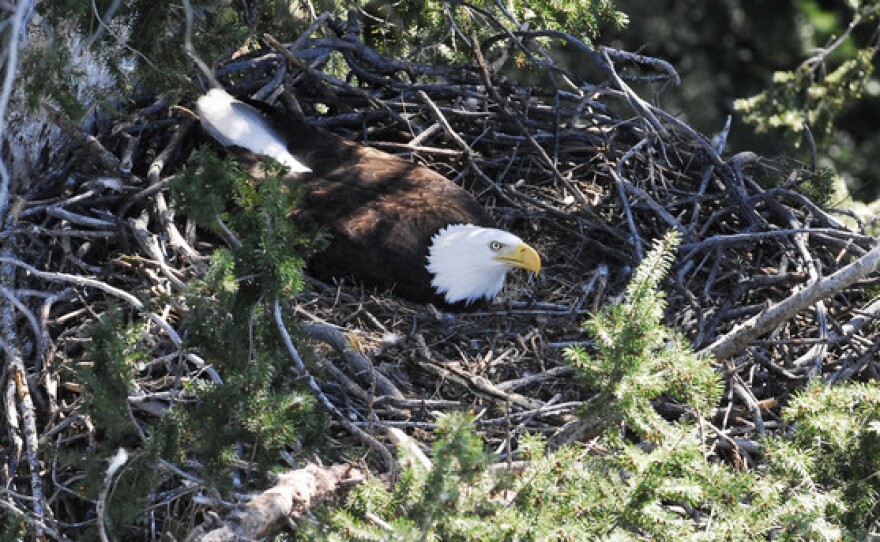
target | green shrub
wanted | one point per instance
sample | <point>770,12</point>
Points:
<point>637,359</point>
<point>226,320</point>
<point>834,445</point>
<point>643,478</point>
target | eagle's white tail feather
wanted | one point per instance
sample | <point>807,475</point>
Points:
<point>232,122</point>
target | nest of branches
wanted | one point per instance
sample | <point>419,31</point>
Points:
<point>584,170</point>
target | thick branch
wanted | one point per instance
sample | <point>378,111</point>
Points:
<point>296,493</point>
<point>742,335</point>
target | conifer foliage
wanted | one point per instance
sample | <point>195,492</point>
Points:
<point>638,359</point>
<point>227,320</point>
<point>256,406</point>
<point>642,477</point>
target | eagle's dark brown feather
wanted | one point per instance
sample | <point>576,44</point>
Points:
<point>380,210</point>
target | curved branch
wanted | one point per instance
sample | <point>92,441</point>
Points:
<point>366,438</point>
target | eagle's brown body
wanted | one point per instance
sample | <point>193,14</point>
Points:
<point>380,210</point>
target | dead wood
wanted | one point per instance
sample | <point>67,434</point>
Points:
<point>292,498</point>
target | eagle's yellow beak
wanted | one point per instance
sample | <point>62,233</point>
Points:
<point>522,256</point>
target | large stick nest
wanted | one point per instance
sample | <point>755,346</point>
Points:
<point>585,171</point>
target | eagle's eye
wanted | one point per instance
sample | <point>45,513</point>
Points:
<point>495,246</point>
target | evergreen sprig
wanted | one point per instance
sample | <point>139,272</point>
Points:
<point>107,376</point>
<point>638,360</point>
<point>676,491</point>
<point>270,253</point>
<point>259,408</point>
<point>835,444</point>
<point>226,321</point>
<point>822,87</point>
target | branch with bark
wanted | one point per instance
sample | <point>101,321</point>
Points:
<point>289,502</point>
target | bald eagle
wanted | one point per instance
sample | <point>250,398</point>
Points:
<point>393,224</point>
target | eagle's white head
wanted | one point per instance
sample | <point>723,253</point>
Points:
<point>470,262</point>
<point>233,122</point>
